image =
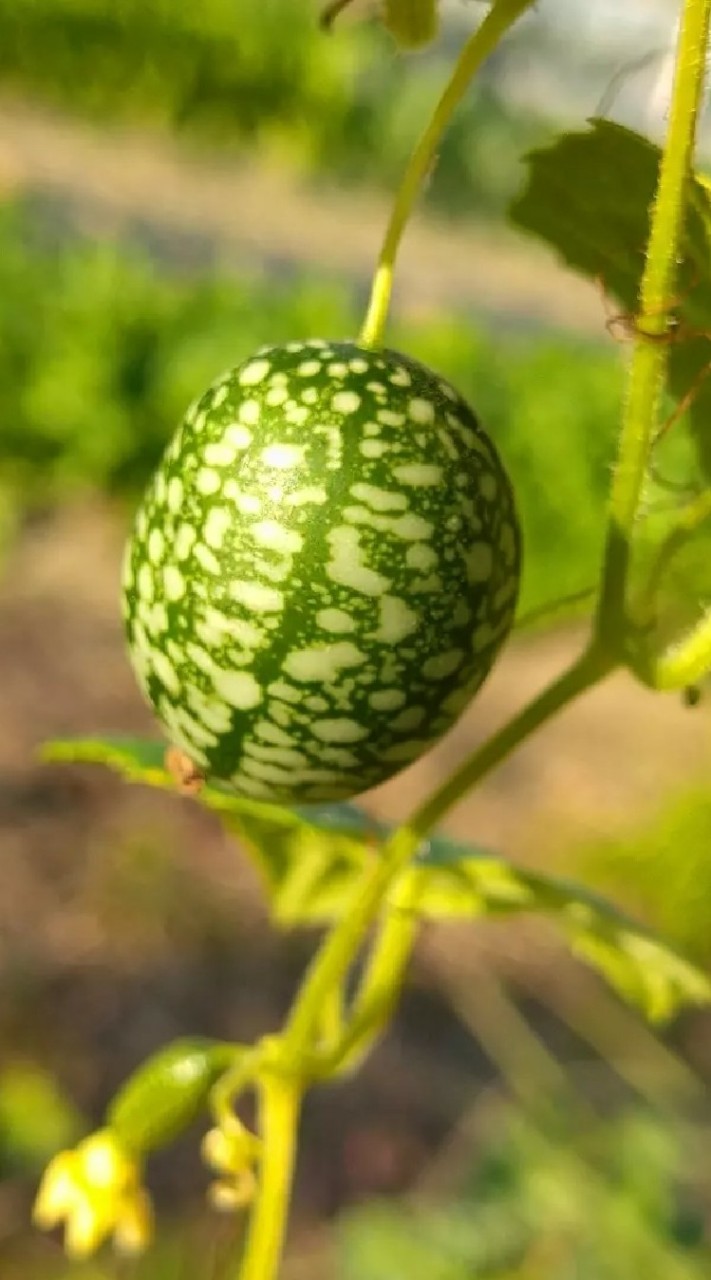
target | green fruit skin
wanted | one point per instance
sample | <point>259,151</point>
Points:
<point>322,571</point>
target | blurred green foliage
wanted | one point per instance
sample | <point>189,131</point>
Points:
<point>663,869</point>
<point>36,1120</point>
<point>260,74</point>
<point>100,355</point>
<point>610,1202</point>
<point>554,1192</point>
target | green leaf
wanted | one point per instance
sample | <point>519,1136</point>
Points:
<point>642,969</point>
<point>311,860</point>
<point>588,196</point>
<point>36,1119</point>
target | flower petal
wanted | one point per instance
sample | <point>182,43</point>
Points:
<point>87,1227</point>
<point>134,1226</point>
<point>57,1192</point>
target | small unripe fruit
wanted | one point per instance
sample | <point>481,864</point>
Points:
<point>322,571</point>
<point>166,1094</point>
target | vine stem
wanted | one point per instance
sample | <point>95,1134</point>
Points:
<point>337,952</point>
<point>379,988</point>
<point>500,17</point>
<point>649,357</point>
<point>280,1104</point>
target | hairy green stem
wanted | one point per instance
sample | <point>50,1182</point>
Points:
<point>280,1103</point>
<point>649,357</point>
<point>500,17</point>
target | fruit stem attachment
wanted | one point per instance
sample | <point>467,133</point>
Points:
<point>488,35</point>
<point>649,357</point>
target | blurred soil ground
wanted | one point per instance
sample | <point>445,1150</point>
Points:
<point>118,182</point>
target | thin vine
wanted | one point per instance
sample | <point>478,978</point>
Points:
<point>502,15</point>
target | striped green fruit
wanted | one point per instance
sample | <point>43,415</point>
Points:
<point>322,571</point>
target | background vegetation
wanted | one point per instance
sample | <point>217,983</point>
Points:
<point>264,80</point>
<point>100,354</point>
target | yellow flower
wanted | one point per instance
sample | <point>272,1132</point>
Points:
<point>95,1190</point>
<point>232,1151</point>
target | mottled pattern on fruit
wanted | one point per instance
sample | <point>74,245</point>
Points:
<point>322,571</point>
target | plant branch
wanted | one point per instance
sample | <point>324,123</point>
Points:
<point>379,989</point>
<point>649,357</point>
<point>337,952</point>
<point>385,970</point>
<point>500,17</point>
<point>280,1102</point>
<point>589,669</point>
